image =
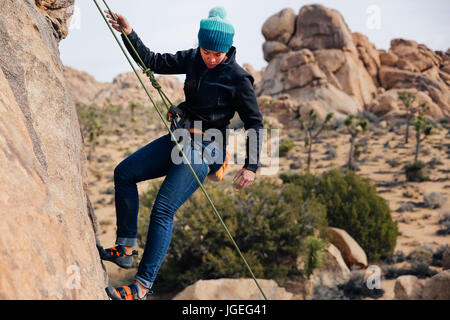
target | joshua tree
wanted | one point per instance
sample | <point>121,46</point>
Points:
<point>354,127</point>
<point>133,107</point>
<point>310,125</point>
<point>313,254</point>
<point>90,120</point>
<point>414,170</point>
<point>94,128</point>
<point>423,130</point>
<point>407,98</point>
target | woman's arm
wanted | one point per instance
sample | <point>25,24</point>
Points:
<point>248,110</point>
<point>160,63</point>
<point>164,63</point>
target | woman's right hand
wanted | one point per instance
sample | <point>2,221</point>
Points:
<point>121,20</point>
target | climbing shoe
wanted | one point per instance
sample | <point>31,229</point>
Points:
<point>117,255</point>
<point>130,292</point>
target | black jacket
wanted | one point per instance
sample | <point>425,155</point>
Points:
<point>212,95</point>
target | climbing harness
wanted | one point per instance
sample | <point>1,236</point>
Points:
<point>175,113</point>
<point>172,117</point>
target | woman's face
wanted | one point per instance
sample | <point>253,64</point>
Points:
<point>212,58</point>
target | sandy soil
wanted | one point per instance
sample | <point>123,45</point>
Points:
<point>415,228</point>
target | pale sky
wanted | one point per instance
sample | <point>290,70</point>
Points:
<point>172,25</point>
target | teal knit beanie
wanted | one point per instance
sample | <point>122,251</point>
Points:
<point>216,33</point>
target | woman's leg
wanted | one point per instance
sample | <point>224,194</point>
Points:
<point>149,162</point>
<point>177,187</point>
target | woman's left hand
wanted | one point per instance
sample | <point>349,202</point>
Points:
<point>247,177</point>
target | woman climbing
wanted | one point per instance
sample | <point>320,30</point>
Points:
<point>215,88</point>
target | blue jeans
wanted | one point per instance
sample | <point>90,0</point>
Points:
<point>153,161</point>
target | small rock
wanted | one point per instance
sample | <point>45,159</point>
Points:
<point>331,153</point>
<point>104,158</point>
<point>110,190</point>
<point>295,165</point>
<point>434,200</point>
<point>408,288</point>
<point>334,270</point>
<point>410,193</point>
<point>438,287</point>
<point>434,161</point>
<point>351,251</point>
<point>406,207</point>
<point>236,289</point>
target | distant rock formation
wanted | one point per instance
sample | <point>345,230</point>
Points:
<point>318,65</point>
<point>315,59</point>
<point>83,87</point>
<point>47,232</point>
<point>409,65</point>
<point>124,88</point>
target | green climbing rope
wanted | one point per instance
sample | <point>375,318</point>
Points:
<point>149,73</point>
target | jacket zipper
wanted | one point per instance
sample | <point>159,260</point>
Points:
<point>200,79</point>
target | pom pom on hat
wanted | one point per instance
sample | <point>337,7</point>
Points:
<point>216,33</point>
<point>218,12</point>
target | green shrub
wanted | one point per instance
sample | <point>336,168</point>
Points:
<point>268,222</point>
<point>352,204</point>
<point>444,222</point>
<point>354,289</point>
<point>438,255</point>
<point>419,260</point>
<point>286,146</point>
<point>416,171</point>
<point>91,123</point>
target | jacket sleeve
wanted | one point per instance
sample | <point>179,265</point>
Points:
<point>248,110</point>
<point>164,63</point>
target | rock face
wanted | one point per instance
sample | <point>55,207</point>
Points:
<point>316,59</point>
<point>58,13</point>
<point>368,54</point>
<point>233,289</point>
<point>47,233</point>
<point>352,253</point>
<point>124,88</point>
<point>285,109</point>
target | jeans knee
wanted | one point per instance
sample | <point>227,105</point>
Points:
<point>162,215</point>
<point>121,174</point>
